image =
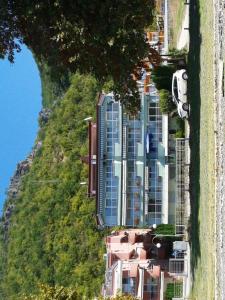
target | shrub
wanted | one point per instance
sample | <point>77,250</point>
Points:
<point>178,53</point>
<point>179,134</point>
<point>165,103</point>
<point>165,229</point>
<point>170,290</point>
<point>53,293</point>
<point>162,77</point>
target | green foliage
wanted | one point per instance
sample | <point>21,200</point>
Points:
<point>60,293</point>
<point>153,26</point>
<point>120,297</point>
<point>54,83</point>
<point>165,229</point>
<point>165,102</point>
<point>174,52</point>
<point>162,77</point>
<point>53,293</point>
<point>104,38</point>
<point>180,133</point>
<point>108,86</point>
<point>170,290</point>
<point>117,228</point>
<point>52,237</point>
<point>9,35</point>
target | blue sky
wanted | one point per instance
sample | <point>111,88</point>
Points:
<point>20,102</point>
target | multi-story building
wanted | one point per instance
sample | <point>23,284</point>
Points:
<point>134,265</point>
<point>129,160</point>
<point>132,162</point>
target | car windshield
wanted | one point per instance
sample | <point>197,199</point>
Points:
<point>175,91</point>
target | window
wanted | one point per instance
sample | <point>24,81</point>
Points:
<point>110,212</point>
<point>111,202</point>
<point>129,285</point>
<point>151,286</point>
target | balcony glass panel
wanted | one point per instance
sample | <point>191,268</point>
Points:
<point>154,131</point>
<point>111,183</point>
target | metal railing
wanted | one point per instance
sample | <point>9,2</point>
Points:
<point>180,214</point>
<point>178,266</point>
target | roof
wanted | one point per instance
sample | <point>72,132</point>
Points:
<point>92,178</point>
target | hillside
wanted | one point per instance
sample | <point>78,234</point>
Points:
<point>52,236</point>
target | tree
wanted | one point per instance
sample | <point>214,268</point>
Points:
<point>120,297</point>
<point>165,102</point>
<point>53,293</point>
<point>9,35</point>
<point>61,293</point>
<point>105,38</point>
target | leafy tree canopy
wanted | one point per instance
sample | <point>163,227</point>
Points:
<point>105,38</point>
<point>53,293</point>
<point>60,293</point>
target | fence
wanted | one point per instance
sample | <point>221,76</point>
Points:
<point>181,186</point>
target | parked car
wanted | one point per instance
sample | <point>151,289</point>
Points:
<point>179,92</point>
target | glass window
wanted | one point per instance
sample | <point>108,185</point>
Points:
<point>110,212</point>
<point>151,285</point>
<point>114,212</point>
<point>109,169</point>
<point>115,106</point>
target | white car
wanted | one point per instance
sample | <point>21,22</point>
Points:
<point>179,92</point>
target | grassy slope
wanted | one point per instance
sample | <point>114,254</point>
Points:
<point>203,149</point>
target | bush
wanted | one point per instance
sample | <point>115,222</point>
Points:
<point>53,293</point>
<point>162,77</point>
<point>165,103</point>
<point>170,290</point>
<point>178,53</point>
<point>165,229</point>
<point>180,133</point>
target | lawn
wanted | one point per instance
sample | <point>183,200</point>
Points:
<point>202,169</point>
<point>202,181</point>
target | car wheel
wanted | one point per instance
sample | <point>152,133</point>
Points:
<point>185,107</point>
<point>185,76</point>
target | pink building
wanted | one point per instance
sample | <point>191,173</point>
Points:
<point>134,265</point>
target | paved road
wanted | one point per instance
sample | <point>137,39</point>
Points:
<point>219,47</point>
